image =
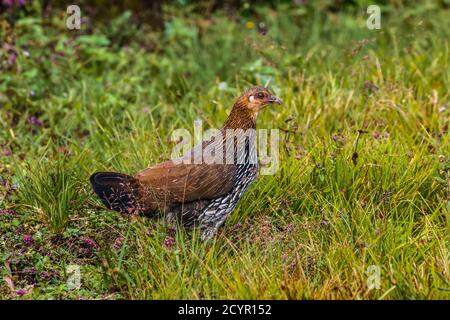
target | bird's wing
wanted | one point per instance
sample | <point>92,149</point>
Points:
<point>173,182</point>
<point>195,176</point>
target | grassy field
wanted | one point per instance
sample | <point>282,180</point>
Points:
<point>364,150</point>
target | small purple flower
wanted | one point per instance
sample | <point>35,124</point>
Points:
<point>376,135</point>
<point>10,3</point>
<point>28,239</point>
<point>35,121</point>
<point>12,57</point>
<point>118,243</point>
<point>7,151</point>
<point>146,110</point>
<point>7,211</point>
<point>169,242</point>
<point>21,292</point>
<point>30,270</point>
<point>334,137</point>
<point>44,275</point>
<point>89,242</point>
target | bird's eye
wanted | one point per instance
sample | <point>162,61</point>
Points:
<point>260,95</point>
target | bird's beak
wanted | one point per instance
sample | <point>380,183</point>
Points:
<point>275,99</point>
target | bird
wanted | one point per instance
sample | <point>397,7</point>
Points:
<point>193,189</point>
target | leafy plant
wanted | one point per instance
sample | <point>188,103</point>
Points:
<point>52,191</point>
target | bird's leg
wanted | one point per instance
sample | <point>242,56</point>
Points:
<point>171,218</point>
<point>209,228</point>
<point>209,232</point>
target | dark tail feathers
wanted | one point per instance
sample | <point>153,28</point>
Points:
<point>117,191</point>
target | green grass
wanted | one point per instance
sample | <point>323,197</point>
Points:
<point>363,178</point>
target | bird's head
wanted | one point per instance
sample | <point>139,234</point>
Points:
<point>247,106</point>
<point>257,98</point>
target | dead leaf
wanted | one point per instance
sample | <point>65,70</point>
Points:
<point>9,283</point>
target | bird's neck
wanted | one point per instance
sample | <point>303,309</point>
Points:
<point>240,118</point>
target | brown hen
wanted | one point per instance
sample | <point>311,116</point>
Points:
<point>196,189</point>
